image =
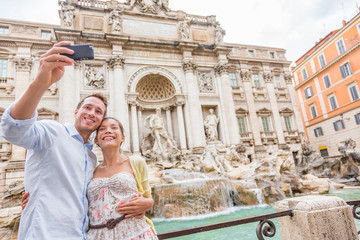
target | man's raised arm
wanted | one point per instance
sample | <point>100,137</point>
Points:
<point>51,69</point>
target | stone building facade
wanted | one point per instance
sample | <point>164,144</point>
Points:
<point>148,56</point>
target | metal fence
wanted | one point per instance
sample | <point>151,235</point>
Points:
<point>265,226</point>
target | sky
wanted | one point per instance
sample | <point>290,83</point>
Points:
<point>294,25</point>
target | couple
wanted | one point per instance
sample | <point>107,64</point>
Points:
<point>64,189</point>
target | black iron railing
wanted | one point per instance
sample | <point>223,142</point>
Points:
<point>265,226</point>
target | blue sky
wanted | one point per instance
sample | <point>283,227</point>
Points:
<point>291,24</point>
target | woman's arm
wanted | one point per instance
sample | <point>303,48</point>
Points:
<point>136,207</point>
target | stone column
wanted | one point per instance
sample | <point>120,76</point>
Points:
<point>23,68</point>
<point>168,121</point>
<point>294,102</point>
<point>180,117</point>
<point>253,118</point>
<point>317,218</point>
<point>120,108</point>
<point>229,108</point>
<point>196,119</point>
<point>77,80</point>
<point>140,124</point>
<point>134,128</point>
<point>268,78</point>
<point>67,93</point>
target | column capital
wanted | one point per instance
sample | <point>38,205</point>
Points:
<point>288,78</point>
<point>268,77</point>
<point>179,103</point>
<point>189,66</point>
<point>77,64</point>
<point>23,64</point>
<point>245,75</point>
<point>168,108</point>
<point>132,103</point>
<point>116,62</point>
<point>221,68</point>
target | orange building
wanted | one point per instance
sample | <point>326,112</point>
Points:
<point>327,83</point>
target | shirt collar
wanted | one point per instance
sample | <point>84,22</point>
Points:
<point>70,128</point>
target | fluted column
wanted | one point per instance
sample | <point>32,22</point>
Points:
<point>120,109</point>
<point>223,126</point>
<point>134,128</point>
<point>140,124</point>
<point>294,102</point>
<point>253,118</point>
<point>168,121</point>
<point>196,119</point>
<point>229,108</point>
<point>23,68</point>
<point>268,78</point>
<point>180,118</point>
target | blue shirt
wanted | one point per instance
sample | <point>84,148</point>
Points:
<point>58,168</point>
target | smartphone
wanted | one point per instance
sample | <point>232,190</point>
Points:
<point>81,52</point>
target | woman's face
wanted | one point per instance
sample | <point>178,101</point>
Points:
<point>109,134</point>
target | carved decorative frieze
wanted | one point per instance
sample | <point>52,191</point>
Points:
<point>116,61</point>
<point>245,76</point>
<point>23,64</point>
<point>24,29</point>
<point>94,77</point>
<point>149,6</point>
<point>268,77</point>
<point>221,68</point>
<point>189,66</point>
<point>206,82</point>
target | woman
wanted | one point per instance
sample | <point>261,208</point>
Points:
<point>119,193</point>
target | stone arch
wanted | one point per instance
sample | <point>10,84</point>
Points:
<point>155,70</point>
<point>153,87</point>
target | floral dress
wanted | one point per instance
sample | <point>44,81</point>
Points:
<point>104,196</point>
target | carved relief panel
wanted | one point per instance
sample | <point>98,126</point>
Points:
<point>206,82</point>
<point>94,77</point>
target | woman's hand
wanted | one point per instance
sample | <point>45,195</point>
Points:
<point>24,200</point>
<point>136,207</point>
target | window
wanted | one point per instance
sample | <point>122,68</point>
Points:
<point>304,73</point>
<point>4,30</point>
<point>313,111</point>
<point>339,125</point>
<point>242,124</point>
<point>308,92</point>
<point>332,102</point>
<point>3,68</point>
<point>322,60</point>
<point>251,53</point>
<point>266,124</point>
<point>345,70</point>
<point>357,118</point>
<point>327,81</point>
<point>340,46</point>
<point>354,92</point>
<point>272,55</point>
<point>318,132</point>
<point>287,120</point>
<point>233,79</point>
<point>256,80</point>
<point>323,151</point>
<point>277,81</point>
<point>46,34</point>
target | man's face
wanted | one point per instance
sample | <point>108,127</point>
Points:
<point>89,116</point>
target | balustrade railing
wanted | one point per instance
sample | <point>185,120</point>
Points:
<point>265,226</point>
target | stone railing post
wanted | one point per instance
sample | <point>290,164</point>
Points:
<point>317,217</point>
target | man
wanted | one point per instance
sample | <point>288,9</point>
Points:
<point>59,161</point>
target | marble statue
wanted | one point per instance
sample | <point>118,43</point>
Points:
<point>210,161</point>
<point>219,34</point>
<point>211,122</point>
<point>159,144</point>
<point>233,156</point>
<point>184,30</point>
<point>67,14</point>
<point>115,21</point>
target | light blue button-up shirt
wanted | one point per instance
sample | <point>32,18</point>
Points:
<point>58,169</point>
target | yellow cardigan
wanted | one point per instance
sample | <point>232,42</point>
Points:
<point>139,168</point>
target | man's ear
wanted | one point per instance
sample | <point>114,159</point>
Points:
<point>75,112</point>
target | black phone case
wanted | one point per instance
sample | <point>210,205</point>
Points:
<point>81,52</point>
